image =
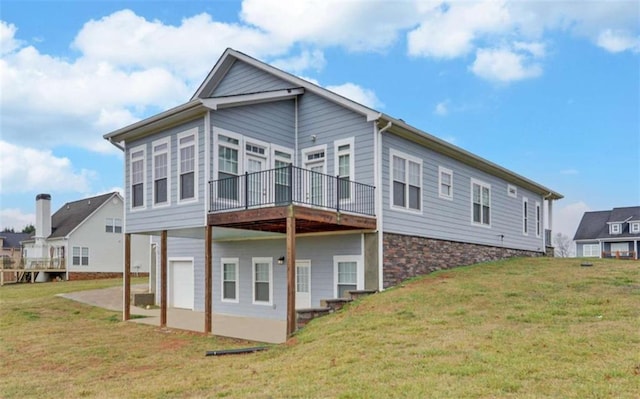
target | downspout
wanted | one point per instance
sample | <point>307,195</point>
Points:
<point>295,150</point>
<point>378,173</point>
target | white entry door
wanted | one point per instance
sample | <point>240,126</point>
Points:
<point>181,284</point>
<point>303,284</point>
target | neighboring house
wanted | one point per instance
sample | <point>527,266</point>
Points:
<point>11,253</point>
<point>82,240</point>
<point>609,234</point>
<point>268,193</point>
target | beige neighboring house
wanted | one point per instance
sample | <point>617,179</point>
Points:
<point>11,252</point>
<point>82,240</point>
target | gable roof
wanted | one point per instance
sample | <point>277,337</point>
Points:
<point>595,225</point>
<point>73,214</point>
<point>12,240</point>
<point>200,103</point>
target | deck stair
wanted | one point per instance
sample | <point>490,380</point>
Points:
<point>328,306</point>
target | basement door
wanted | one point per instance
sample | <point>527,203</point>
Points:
<point>181,284</point>
<point>303,284</point>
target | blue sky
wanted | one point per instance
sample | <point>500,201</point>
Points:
<point>549,90</point>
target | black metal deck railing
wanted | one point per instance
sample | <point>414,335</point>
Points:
<point>291,185</point>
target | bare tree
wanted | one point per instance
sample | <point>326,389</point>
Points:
<point>562,245</point>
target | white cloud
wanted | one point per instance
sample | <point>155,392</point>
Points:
<point>304,61</point>
<point>450,30</point>
<point>354,25</point>
<point>8,42</point>
<point>27,169</point>
<point>505,65</point>
<point>442,108</point>
<point>14,218</point>
<point>358,94</point>
<point>618,41</point>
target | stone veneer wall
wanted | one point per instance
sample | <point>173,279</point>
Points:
<point>409,256</point>
<point>97,275</point>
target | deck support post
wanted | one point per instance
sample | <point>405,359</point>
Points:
<point>126,274</point>
<point>208,277</point>
<point>291,272</point>
<point>163,278</point>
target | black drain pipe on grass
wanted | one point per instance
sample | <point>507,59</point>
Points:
<point>236,351</point>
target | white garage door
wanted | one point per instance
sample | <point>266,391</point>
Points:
<point>181,284</point>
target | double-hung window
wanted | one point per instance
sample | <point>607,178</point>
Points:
<point>344,167</point>
<point>481,203</point>
<point>230,274</point>
<point>614,228</point>
<point>262,276</point>
<point>187,165</point>
<point>634,228</point>
<point>161,172</point>
<point>525,215</point>
<point>137,161</point>
<point>445,182</point>
<point>113,225</point>
<point>406,182</point>
<point>80,256</point>
<point>228,150</point>
<point>348,274</point>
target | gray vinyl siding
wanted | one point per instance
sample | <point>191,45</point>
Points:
<point>176,215</point>
<point>451,219</point>
<point>330,122</point>
<point>243,78</point>
<point>272,122</point>
<point>319,250</point>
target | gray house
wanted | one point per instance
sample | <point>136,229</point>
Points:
<point>609,234</point>
<point>268,193</point>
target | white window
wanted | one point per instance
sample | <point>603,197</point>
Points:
<point>282,158</point>
<point>525,215</point>
<point>228,171</point>
<point>406,182</point>
<point>113,225</point>
<point>348,274</point>
<point>591,250</point>
<point>344,167</point>
<point>230,274</point>
<point>619,248</point>
<point>137,162</point>
<point>538,219</point>
<point>481,203</point>
<point>614,228</point>
<point>634,228</point>
<point>187,161</point>
<point>262,277</point>
<point>80,256</point>
<point>445,182</point>
<point>512,191</point>
<point>161,172</point>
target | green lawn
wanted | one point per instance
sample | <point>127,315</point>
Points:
<point>524,328</point>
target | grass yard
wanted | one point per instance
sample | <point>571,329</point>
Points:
<point>523,328</point>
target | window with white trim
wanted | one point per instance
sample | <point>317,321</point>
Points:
<point>228,167</point>
<point>512,191</point>
<point>445,182</point>
<point>614,228</point>
<point>137,162</point>
<point>262,277</point>
<point>282,158</point>
<point>591,250</point>
<point>525,215</point>
<point>113,225</point>
<point>634,227</point>
<point>344,167</point>
<point>161,172</point>
<point>80,256</point>
<point>538,219</point>
<point>348,274</point>
<point>480,203</point>
<point>406,184</point>
<point>187,161</point>
<point>230,274</point>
